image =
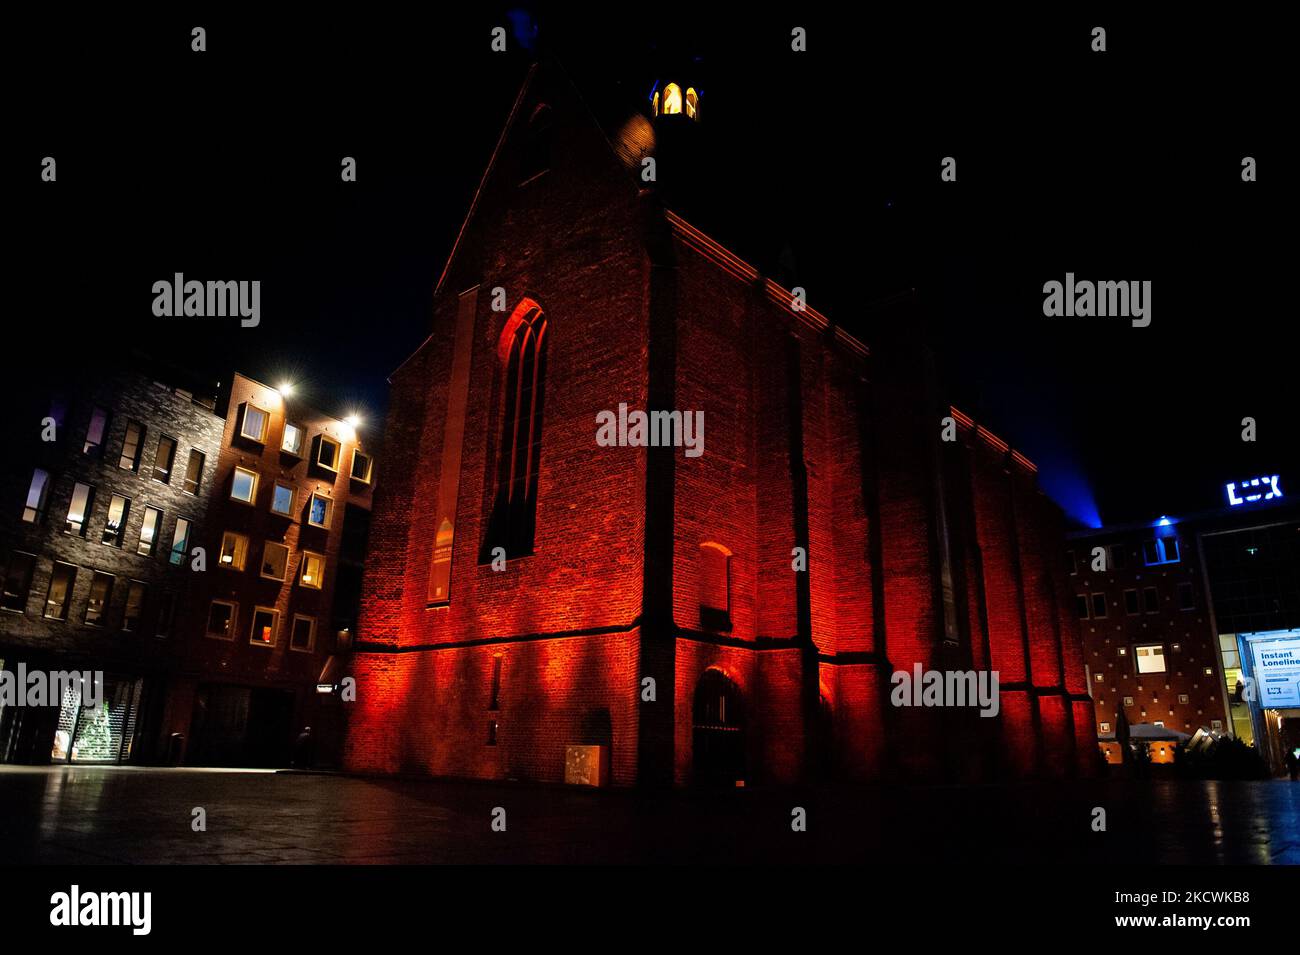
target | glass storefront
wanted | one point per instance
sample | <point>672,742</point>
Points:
<point>103,733</point>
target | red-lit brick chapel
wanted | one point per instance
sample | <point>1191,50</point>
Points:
<point>648,602</point>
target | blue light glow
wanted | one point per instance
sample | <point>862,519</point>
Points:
<point>1269,489</point>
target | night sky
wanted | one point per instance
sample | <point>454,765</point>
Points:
<point>822,168</point>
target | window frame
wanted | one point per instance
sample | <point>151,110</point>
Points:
<point>39,509</point>
<point>96,448</point>
<point>1138,657</point>
<point>5,593</point>
<point>311,637</point>
<point>275,627</point>
<point>67,599</point>
<point>293,498</point>
<point>198,482</point>
<point>184,552</point>
<point>131,586</point>
<point>83,529</point>
<point>321,440</point>
<point>329,510</point>
<point>302,439</point>
<point>302,570</point>
<point>1092,605</point>
<point>370,467</point>
<point>261,570</point>
<point>142,433</point>
<point>252,494</point>
<point>101,621</point>
<point>118,539</point>
<point>260,437</point>
<point>171,462</point>
<point>157,528</point>
<point>238,556</point>
<point>233,625</point>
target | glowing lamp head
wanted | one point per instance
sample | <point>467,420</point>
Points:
<point>285,389</point>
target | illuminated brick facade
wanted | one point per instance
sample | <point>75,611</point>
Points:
<point>648,564</point>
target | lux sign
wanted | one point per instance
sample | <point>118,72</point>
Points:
<point>1263,483</point>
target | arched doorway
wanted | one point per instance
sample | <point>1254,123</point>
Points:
<point>718,731</point>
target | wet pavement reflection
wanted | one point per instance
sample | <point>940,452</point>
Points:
<point>87,815</point>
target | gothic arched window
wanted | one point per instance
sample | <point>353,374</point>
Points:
<point>522,349</point>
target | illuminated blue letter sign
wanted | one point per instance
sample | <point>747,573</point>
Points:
<point>1264,483</point>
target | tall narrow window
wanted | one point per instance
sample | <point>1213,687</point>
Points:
<point>194,472</point>
<point>119,509</point>
<point>101,592</point>
<point>180,541</point>
<point>514,512</point>
<point>149,531</point>
<point>715,587</point>
<point>494,703</point>
<point>17,582</point>
<point>59,595</point>
<point>83,495</point>
<point>38,494</point>
<point>535,157</point>
<point>131,444</point>
<point>162,461</point>
<point>96,431</point>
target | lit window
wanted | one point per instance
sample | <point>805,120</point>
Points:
<point>17,582</point>
<point>194,471</point>
<point>1100,677</point>
<point>83,496</point>
<point>1183,698</point>
<point>361,464</point>
<point>293,439</point>
<point>265,620</point>
<point>318,514</point>
<point>101,592</point>
<point>149,531</point>
<point>162,461</point>
<point>59,594</point>
<point>1128,701</point>
<point>234,550</point>
<point>38,493</point>
<point>692,103</point>
<point>672,101</point>
<point>1098,605</point>
<point>244,486</point>
<point>221,619</point>
<point>523,345</point>
<point>303,635</point>
<point>119,509</point>
<point>180,541</point>
<point>1150,659</point>
<point>282,499</point>
<point>134,606</point>
<point>275,561</point>
<point>1104,728</point>
<point>327,453</point>
<point>95,432</point>
<point>132,442</point>
<point>254,424</point>
<point>313,570</point>
<point>1161,550</point>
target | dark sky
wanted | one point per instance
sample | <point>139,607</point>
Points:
<point>1123,165</point>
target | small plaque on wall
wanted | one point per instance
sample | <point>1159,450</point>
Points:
<point>586,765</point>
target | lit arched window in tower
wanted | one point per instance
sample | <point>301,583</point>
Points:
<point>715,586</point>
<point>672,99</point>
<point>522,349</point>
<point>654,103</point>
<point>692,103</point>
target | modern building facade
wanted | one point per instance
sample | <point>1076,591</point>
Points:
<point>203,551</point>
<point>101,502</point>
<point>1193,623</point>
<point>541,602</point>
<point>288,519</point>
